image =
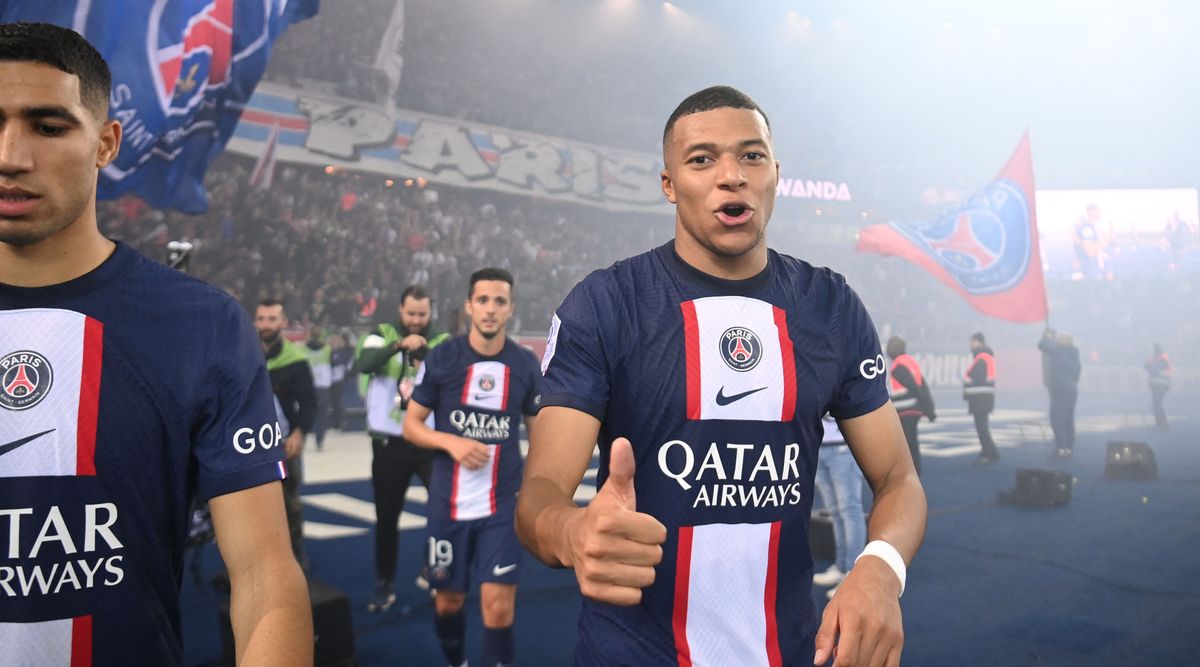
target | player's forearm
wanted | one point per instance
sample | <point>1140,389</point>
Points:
<point>899,513</point>
<point>543,513</point>
<point>271,615</point>
<point>416,432</point>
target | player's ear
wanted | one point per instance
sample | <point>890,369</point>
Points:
<point>668,186</point>
<point>110,143</point>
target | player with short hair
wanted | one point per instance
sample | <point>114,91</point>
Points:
<point>477,386</point>
<point>126,388</point>
<point>703,368</point>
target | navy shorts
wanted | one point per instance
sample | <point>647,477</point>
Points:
<point>480,550</point>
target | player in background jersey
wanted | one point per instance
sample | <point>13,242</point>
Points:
<point>157,392</point>
<point>703,368</point>
<point>477,386</point>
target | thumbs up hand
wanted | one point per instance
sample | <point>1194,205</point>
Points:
<point>613,547</point>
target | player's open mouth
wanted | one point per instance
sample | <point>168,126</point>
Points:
<point>734,214</point>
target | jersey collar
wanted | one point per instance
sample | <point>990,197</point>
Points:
<point>116,264</point>
<point>691,274</point>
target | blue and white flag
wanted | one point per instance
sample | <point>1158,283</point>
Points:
<point>182,71</point>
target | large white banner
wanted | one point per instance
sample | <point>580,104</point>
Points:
<point>323,130</point>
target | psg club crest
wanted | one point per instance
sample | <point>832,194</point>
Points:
<point>984,244</point>
<point>182,70</point>
<point>25,379</point>
<point>198,55</point>
<point>740,348</point>
<point>487,383</point>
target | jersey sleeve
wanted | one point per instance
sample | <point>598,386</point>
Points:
<point>863,386</point>
<point>533,398</point>
<point>236,438</point>
<point>575,367</point>
<point>427,385</point>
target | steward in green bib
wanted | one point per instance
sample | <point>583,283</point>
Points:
<point>320,358</point>
<point>295,405</point>
<point>389,358</point>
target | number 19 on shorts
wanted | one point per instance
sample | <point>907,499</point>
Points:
<point>441,553</point>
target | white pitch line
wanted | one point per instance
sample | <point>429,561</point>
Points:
<point>409,521</point>
<point>315,530</point>
<point>946,452</point>
<point>340,503</point>
<point>343,504</point>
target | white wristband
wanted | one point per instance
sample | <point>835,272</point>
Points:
<point>888,554</point>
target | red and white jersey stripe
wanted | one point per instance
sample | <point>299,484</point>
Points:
<point>473,492</point>
<point>750,374</point>
<point>486,386</point>
<point>726,581</point>
<point>60,371</point>
<point>62,643</point>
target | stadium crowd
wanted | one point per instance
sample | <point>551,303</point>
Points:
<point>475,84</point>
<point>339,248</point>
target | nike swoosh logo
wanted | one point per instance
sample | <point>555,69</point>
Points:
<point>8,447</point>
<point>498,571</point>
<point>722,399</point>
<point>480,397</point>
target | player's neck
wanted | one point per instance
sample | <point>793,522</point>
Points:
<point>738,267</point>
<point>76,250</point>
<point>488,347</point>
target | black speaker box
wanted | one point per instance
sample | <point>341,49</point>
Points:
<point>1037,487</point>
<point>333,628</point>
<point>1130,460</point>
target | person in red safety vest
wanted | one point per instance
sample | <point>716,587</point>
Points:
<point>910,394</point>
<point>979,391</point>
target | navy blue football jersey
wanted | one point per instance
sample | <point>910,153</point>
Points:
<point>720,386</point>
<point>123,394</point>
<point>481,398</point>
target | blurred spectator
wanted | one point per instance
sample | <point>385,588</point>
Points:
<point>1063,368</point>
<point>339,265</point>
<point>1159,368</point>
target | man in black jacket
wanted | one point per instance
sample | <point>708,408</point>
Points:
<point>1062,378</point>
<point>296,404</point>
<point>979,391</point>
<point>391,355</point>
<point>910,394</point>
